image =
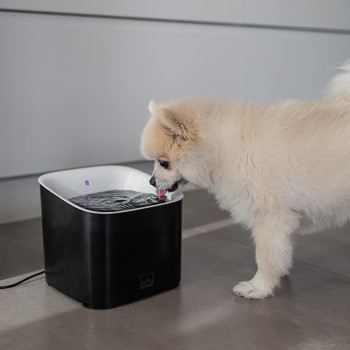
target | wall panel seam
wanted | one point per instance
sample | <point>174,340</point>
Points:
<point>179,21</point>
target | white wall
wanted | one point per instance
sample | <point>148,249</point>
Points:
<point>74,89</point>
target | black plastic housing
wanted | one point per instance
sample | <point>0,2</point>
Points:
<point>105,260</point>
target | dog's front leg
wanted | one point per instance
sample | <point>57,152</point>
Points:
<point>273,254</point>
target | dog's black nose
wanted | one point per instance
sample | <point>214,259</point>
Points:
<point>152,181</point>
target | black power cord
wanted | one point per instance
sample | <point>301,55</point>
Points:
<point>19,282</point>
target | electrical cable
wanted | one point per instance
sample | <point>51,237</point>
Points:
<point>19,282</point>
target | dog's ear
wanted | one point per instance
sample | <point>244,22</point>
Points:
<point>153,107</point>
<point>177,128</point>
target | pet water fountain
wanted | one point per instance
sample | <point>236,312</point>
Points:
<point>105,259</point>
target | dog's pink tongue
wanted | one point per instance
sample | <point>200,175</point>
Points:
<point>161,194</point>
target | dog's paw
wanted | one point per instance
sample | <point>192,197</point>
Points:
<point>254,290</point>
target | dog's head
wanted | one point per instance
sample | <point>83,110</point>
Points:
<point>167,139</point>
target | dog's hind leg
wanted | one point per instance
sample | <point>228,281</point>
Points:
<point>274,250</point>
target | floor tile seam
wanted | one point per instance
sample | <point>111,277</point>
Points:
<point>28,221</point>
<point>217,225</point>
<point>14,238</point>
<point>321,269</point>
<point>206,228</point>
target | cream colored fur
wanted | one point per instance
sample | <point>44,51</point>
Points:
<point>278,169</point>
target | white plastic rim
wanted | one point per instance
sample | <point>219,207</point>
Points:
<point>68,184</point>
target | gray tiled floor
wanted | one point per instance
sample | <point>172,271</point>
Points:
<point>310,311</point>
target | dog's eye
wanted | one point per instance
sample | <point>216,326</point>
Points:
<point>164,164</point>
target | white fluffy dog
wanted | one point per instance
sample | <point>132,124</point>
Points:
<point>278,169</point>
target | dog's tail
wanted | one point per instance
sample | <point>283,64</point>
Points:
<point>340,84</point>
